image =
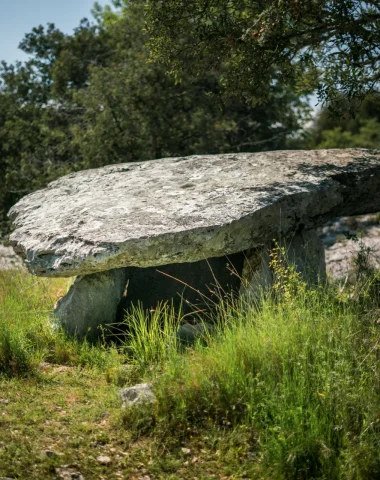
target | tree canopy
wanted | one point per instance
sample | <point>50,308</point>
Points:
<point>363,131</point>
<point>331,46</point>
<point>94,98</point>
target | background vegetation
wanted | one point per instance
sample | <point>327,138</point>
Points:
<point>103,94</point>
<point>288,390</point>
<point>94,98</point>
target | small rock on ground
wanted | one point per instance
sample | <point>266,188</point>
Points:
<point>104,459</point>
<point>66,472</point>
<point>139,394</point>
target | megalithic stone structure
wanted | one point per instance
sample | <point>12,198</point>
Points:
<point>186,226</point>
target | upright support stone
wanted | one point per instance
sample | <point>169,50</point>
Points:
<point>304,251</point>
<point>92,301</point>
<point>257,276</point>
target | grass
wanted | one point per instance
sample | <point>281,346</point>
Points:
<point>286,390</point>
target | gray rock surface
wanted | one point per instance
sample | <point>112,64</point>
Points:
<point>8,258</point>
<point>139,394</point>
<point>342,251</point>
<point>92,301</point>
<point>304,251</point>
<point>179,210</point>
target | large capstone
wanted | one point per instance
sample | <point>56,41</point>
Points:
<point>178,210</point>
<point>163,229</point>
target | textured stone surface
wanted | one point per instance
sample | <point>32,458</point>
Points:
<point>342,251</point>
<point>91,301</point>
<point>304,250</point>
<point>179,210</point>
<point>257,274</point>
<point>139,394</point>
<point>8,258</point>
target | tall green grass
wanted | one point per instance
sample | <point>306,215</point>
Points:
<point>286,389</point>
<point>302,374</point>
<point>150,336</point>
<point>28,334</point>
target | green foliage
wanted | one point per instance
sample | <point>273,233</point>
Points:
<point>15,356</point>
<point>301,375</point>
<point>134,111</point>
<point>331,46</point>
<point>28,335</point>
<point>94,98</point>
<point>150,336</point>
<point>361,131</point>
<point>286,390</point>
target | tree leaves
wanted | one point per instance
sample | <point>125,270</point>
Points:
<point>332,47</point>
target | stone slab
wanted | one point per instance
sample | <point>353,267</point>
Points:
<point>91,302</point>
<point>178,210</point>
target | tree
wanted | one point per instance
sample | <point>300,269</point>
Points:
<point>134,111</point>
<point>332,46</point>
<point>93,98</point>
<point>37,112</point>
<point>363,131</point>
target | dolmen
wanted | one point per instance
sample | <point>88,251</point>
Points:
<point>186,229</point>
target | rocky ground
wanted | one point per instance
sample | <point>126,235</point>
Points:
<point>8,259</point>
<point>345,239</point>
<point>349,240</point>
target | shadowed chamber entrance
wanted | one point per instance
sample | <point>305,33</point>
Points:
<point>195,285</point>
<point>101,299</point>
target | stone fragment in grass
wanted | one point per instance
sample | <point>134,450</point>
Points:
<point>68,472</point>
<point>140,394</point>
<point>104,459</point>
<point>188,334</point>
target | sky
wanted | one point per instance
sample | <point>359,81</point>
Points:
<point>18,17</point>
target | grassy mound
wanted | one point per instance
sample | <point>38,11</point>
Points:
<point>288,388</point>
